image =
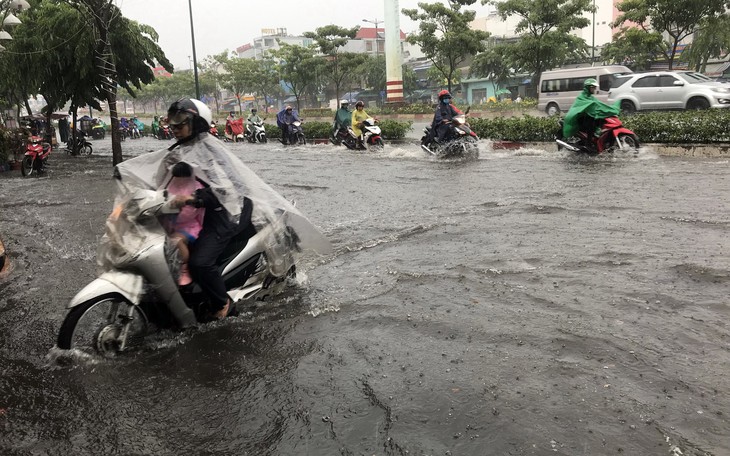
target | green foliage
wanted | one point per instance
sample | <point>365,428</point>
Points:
<point>678,19</point>
<point>444,35</point>
<point>669,127</point>
<point>712,40</point>
<point>708,126</point>
<point>11,143</point>
<point>395,129</point>
<point>317,112</point>
<point>523,129</point>
<point>296,67</point>
<point>635,48</point>
<point>544,28</point>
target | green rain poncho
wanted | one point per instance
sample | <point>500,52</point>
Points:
<point>588,105</point>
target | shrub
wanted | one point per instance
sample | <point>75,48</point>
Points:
<point>708,126</point>
<point>4,146</point>
<point>395,129</point>
<point>526,128</point>
<point>316,112</point>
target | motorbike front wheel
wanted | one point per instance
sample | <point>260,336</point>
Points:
<point>96,326</point>
<point>262,138</point>
<point>26,166</point>
<point>86,149</point>
<point>378,143</point>
<point>628,142</point>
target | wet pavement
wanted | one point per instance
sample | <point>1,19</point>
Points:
<point>526,303</point>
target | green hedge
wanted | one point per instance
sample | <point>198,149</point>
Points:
<point>391,129</point>
<point>708,126</point>
<point>669,127</point>
<point>521,129</point>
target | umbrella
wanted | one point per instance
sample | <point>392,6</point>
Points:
<point>502,92</point>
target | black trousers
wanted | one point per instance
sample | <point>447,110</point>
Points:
<point>208,247</point>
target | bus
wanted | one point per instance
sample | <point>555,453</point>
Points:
<point>559,88</point>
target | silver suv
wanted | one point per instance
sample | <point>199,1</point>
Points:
<point>668,90</point>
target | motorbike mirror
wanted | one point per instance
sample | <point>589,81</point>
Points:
<point>468,108</point>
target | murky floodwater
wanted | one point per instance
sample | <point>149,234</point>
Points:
<point>525,303</point>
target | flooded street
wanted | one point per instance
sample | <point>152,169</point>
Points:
<point>527,303</point>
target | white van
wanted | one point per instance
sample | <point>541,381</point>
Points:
<point>559,88</point>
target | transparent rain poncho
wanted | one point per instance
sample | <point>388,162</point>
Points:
<point>142,179</point>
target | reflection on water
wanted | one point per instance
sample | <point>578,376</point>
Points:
<point>529,302</point>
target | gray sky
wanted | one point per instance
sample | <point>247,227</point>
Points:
<point>227,24</point>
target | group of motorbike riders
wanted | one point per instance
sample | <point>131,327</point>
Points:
<point>230,201</point>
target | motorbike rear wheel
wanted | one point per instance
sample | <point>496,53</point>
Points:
<point>86,149</point>
<point>26,166</point>
<point>96,325</point>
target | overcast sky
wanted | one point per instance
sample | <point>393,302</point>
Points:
<point>227,24</point>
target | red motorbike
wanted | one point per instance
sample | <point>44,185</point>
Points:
<point>613,136</point>
<point>36,156</point>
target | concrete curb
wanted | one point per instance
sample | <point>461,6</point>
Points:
<point>664,150</point>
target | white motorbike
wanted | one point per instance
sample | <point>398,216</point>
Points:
<point>370,136</point>
<point>139,291</point>
<point>255,132</point>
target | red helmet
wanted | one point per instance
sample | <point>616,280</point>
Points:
<point>444,93</point>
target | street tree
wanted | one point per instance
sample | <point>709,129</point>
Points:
<point>374,72</point>
<point>212,77</point>
<point>296,66</point>
<point>544,31</point>
<point>124,53</point>
<point>635,48</point>
<point>493,64</point>
<point>711,40</point>
<point>678,19</point>
<point>444,35</point>
<point>338,66</point>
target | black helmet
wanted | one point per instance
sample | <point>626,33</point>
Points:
<point>359,103</point>
<point>190,110</point>
<point>254,109</point>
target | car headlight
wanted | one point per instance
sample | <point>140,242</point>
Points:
<point>721,89</point>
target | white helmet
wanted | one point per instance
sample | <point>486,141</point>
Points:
<point>190,109</point>
<point>344,102</point>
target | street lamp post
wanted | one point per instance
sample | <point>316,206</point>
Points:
<point>593,42</point>
<point>195,59</point>
<point>377,36</point>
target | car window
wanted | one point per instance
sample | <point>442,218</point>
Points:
<point>667,80</point>
<point>694,78</point>
<point>646,81</point>
<point>619,81</point>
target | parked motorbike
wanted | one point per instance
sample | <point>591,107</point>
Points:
<point>295,134</point>
<point>612,137</point>
<point>36,156</point>
<point>234,130</point>
<point>255,132</point>
<point>460,142</point>
<point>139,291</point>
<point>213,130</point>
<point>80,147</point>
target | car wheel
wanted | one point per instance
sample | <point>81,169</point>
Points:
<point>552,109</point>
<point>627,107</point>
<point>698,103</point>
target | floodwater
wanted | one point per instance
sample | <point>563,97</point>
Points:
<point>527,303</point>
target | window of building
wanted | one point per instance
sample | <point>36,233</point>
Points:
<point>478,95</point>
